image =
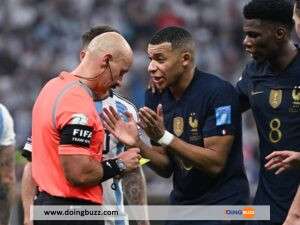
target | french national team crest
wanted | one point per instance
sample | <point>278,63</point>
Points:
<point>178,125</point>
<point>275,98</point>
<point>193,121</point>
<point>296,95</point>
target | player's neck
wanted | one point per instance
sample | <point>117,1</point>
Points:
<point>182,84</point>
<point>286,55</point>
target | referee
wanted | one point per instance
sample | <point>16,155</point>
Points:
<point>67,134</point>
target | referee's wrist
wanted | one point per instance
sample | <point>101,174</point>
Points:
<point>166,139</point>
<point>112,168</point>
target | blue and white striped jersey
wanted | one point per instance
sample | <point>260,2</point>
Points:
<point>7,134</point>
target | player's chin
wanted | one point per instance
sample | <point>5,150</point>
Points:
<point>161,86</point>
<point>258,58</point>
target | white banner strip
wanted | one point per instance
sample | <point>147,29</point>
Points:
<point>154,212</point>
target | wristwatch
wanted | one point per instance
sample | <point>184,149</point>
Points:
<point>121,165</point>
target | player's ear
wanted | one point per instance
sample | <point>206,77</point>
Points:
<point>281,33</point>
<point>186,58</point>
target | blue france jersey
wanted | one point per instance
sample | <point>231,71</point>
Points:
<point>275,101</point>
<point>208,107</point>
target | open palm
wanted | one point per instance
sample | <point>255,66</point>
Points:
<point>125,132</point>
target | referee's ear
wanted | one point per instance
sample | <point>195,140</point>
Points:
<point>81,55</point>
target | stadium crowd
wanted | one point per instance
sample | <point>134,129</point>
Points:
<point>38,38</point>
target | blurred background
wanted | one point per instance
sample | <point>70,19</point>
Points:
<point>40,38</point>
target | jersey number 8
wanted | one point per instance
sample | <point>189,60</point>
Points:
<point>275,134</point>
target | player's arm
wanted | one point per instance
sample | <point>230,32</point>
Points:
<point>7,166</point>
<point>28,186</point>
<point>7,182</point>
<point>160,161</point>
<point>223,120</point>
<point>293,217</point>
<point>135,191</point>
<point>28,192</point>
<point>210,158</point>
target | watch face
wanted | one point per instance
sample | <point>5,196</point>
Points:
<point>121,165</point>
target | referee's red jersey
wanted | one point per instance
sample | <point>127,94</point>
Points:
<point>62,101</point>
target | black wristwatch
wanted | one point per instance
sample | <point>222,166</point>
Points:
<point>121,165</point>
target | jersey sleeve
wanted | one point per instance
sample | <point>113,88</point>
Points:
<point>242,90</point>
<point>7,134</point>
<point>223,117</point>
<point>76,122</point>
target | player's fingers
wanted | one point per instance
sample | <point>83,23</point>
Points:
<point>279,171</point>
<point>107,121</point>
<point>149,114</point>
<point>139,156</point>
<point>144,119</point>
<point>109,115</point>
<point>114,113</point>
<point>273,161</point>
<point>272,155</point>
<point>109,128</point>
<point>275,166</point>
<point>269,163</point>
<point>288,160</point>
<point>159,110</point>
<point>282,169</point>
<point>129,115</point>
<point>141,124</point>
<point>134,149</point>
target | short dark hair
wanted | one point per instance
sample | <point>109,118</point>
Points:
<point>177,36</point>
<point>88,36</point>
<point>278,11</point>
